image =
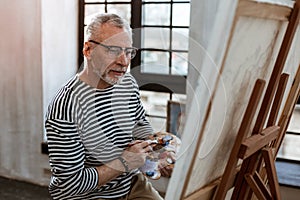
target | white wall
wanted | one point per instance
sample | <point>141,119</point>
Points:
<point>59,45</point>
<point>30,49</point>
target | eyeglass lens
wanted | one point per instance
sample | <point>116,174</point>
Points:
<point>117,51</point>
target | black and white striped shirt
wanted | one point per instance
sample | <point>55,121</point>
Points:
<point>88,127</point>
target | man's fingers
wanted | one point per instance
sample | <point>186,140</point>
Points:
<point>166,171</point>
<point>135,142</point>
<point>148,149</point>
<point>145,144</point>
<point>140,143</point>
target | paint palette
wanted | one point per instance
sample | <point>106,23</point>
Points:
<point>165,148</point>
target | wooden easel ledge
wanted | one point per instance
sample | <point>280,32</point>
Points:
<point>265,9</point>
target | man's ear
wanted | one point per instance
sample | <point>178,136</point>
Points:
<point>87,50</point>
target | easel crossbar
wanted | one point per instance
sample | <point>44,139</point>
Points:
<point>258,141</point>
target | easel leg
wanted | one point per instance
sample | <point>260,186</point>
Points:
<point>255,187</point>
<point>261,184</point>
<point>271,173</point>
<point>241,188</point>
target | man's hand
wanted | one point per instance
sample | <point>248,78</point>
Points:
<point>166,163</point>
<point>135,155</point>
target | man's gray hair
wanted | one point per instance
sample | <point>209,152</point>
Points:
<point>94,26</point>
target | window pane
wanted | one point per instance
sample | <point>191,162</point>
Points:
<point>88,1</point>
<point>102,1</point>
<point>179,98</point>
<point>290,148</point>
<point>91,10</point>
<point>155,62</point>
<point>155,103</point>
<point>180,39</point>
<point>179,63</point>
<point>158,124</point>
<point>156,0</point>
<point>156,14</point>
<point>181,14</point>
<point>294,125</point>
<point>122,10</point>
<point>118,0</point>
<point>156,38</point>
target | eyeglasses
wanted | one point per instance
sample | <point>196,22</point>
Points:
<point>115,51</point>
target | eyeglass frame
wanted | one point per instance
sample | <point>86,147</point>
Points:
<point>120,49</point>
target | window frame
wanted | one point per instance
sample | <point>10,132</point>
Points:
<point>155,82</point>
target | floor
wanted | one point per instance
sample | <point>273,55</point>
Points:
<point>288,173</point>
<point>17,190</point>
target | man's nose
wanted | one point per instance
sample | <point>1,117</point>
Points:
<point>123,59</point>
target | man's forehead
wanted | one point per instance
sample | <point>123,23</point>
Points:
<point>112,34</point>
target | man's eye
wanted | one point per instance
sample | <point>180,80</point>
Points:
<point>115,50</point>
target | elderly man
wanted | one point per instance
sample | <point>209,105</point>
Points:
<point>92,120</point>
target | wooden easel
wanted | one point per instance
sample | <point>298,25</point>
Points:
<point>253,146</point>
<point>258,151</point>
<point>257,173</point>
<point>249,178</point>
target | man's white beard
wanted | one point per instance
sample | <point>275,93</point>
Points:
<point>105,77</point>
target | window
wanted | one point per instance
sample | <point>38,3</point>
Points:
<point>160,31</point>
<point>288,158</point>
<point>290,147</point>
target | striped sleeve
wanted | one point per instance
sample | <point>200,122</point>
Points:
<point>66,155</point>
